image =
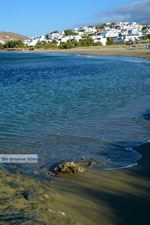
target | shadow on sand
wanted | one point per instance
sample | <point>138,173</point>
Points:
<point>119,197</point>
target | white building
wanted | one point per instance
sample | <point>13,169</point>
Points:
<point>127,38</point>
<point>2,42</point>
<point>99,39</point>
<point>34,40</point>
<point>71,38</point>
<point>89,30</point>
<point>110,33</point>
<point>55,36</point>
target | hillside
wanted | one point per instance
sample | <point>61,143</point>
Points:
<point>7,36</point>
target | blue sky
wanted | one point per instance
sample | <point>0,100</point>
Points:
<point>34,17</point>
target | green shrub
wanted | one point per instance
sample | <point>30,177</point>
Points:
<point>14,44</point>
<point>110,41</point>
<point>87,41</point>
<point>69,45</point>
<point>46,45</point>
<point>1,46</point>
<point>146,37</point>
<point>70,33</point>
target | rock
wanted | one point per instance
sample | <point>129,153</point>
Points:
<point>28,195</point>
<point>89,162</point>
<point>69,168</point>
<point>46,197</point>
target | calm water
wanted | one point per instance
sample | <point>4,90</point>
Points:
<point>65,106</point>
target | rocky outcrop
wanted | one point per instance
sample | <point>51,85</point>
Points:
<point>69,168</point>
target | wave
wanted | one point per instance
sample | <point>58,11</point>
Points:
<point>135,60</point>
<point>123,167</point>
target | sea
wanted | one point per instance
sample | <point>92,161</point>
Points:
<point>65,107</point>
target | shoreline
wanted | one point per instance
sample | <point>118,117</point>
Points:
<point>116,197</point>
<point>105,51</point>
<point>95,51</point>
<point>97,197</point>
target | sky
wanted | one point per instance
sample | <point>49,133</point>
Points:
<point>36,17</point>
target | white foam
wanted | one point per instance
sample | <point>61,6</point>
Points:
<point>122,167</point>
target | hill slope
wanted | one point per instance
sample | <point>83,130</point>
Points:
<point>7,36</point>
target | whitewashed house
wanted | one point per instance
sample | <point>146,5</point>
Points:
<point>110,33</point>
<point>55,36</point>
<point>99,39</point>
<point>2,42</point>
<point>89,30</point>
<point>71,38</point>
<point>31,42</point>
<point>147,31</point>
<point>127,38</point>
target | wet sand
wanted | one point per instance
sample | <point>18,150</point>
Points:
<point>119,197</point>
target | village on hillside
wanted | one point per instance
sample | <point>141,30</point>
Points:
<point>103,34</point>
<point>120,32</point>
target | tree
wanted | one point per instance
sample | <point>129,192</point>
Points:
<point>1,46</point>
<point>14,44</point>
<point>86,41</point>
<point>70,33</point>
<point>110,41</point>
<point>55,32</point>
<point>46,45</point>
<point>68,45</point>
<point>146,37</point>
<point>20,44</point>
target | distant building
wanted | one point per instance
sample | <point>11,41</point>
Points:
<point>110,33</point>
<point>127,38</point>
<point>2,42</point>
<point>99,39</point>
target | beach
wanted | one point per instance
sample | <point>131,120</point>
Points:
<point>106,51</point>
<point>113,50</point>
<point>118,197</point>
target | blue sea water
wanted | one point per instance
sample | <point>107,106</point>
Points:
<point>67,106</point>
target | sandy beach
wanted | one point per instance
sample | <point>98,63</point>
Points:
<point>118,197</point>
<point>95,51</point>
<point>115,51</point>
<point>106,51</point>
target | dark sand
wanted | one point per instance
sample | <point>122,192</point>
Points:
<point>119,197</point>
